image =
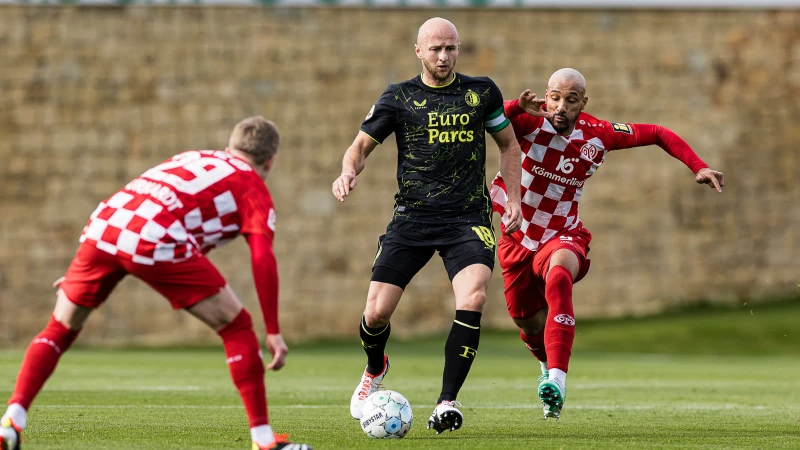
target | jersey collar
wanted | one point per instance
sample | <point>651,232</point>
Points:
<point>422,80</point>
<point>576,133</point>
<point>240,159</point>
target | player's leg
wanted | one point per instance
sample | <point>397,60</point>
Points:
<point>524,295</point>
<point>461,347</point>
<point>382,300</point>
<point>559,329</point>
<point>39,362</point>
<point>197,286</point>
<point>374,330</point>
<point>469,265</point>
<point>531,331</point>
<point>394,266</point>
<point>91,277</point>
<point>560,263</point>
<point>224,313</point>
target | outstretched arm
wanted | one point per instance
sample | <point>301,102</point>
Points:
<point>265,276</point>
<point>639,135</point>
<point>352,164</point>
<point>510,170</point>
<point>526,113</point>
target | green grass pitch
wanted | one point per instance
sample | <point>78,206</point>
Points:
<point>720,379</point>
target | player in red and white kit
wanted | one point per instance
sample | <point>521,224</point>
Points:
<point>158,228</point>
<point>562,147</point>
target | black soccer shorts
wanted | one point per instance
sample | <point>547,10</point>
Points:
<point>402,253</point>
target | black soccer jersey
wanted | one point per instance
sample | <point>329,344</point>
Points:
<point>441,142</point>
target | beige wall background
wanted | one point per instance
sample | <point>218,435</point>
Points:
<point>92,97</point>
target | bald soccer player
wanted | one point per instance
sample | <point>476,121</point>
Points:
<point>562,147</point>
<point>439,118</point>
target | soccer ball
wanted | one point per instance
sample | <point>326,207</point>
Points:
<point>386,415</point>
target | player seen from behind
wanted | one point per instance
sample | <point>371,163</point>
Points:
<point>158,228</point>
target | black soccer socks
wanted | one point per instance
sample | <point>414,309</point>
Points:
<point>374,342</point>
<point>459,352</point>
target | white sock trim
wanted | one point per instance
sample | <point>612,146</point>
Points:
<point>17,414</point>
<point>544,366</point>
<point>558,376</point>
<point>262,435</point>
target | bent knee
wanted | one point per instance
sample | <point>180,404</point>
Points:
<point>531,326</point>
<point>473,302</point>
<point>530,330</point>
<point>375,318</point>
<point>242,323</point>
<point>69,314</point>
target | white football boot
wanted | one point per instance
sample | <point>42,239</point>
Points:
<point>446,417</point>
<point>368,384</point>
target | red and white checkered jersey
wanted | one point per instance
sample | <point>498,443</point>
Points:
<point>554,170</point>
<point>191,203</point>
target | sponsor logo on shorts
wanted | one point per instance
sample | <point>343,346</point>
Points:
<point>374,418</point>
<point>233,359</point>
<point>565,319</point>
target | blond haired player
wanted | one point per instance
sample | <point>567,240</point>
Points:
<point>158,228</point>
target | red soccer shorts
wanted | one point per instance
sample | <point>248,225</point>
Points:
<point>93,274</point>
<point>524,271</point>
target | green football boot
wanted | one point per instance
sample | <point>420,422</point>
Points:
<point>552,397</point>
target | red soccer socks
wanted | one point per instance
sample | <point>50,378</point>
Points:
<point>247,368</point>
<point>40,361</point>
<point>559,332</point>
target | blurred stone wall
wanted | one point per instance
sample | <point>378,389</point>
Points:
<point>91,97</point>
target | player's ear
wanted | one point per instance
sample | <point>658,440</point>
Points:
<point>585,101</point>
<point>268,163</point>
<point>418,51</point>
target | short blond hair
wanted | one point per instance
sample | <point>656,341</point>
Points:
<point>256,136</point>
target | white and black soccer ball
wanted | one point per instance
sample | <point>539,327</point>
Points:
<point>386,415</point>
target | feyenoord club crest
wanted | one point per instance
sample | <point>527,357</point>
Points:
<point>472,98</point>
<point>589,151</point>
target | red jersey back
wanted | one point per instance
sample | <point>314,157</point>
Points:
<point>191,203</point>
<point>554,171</point>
